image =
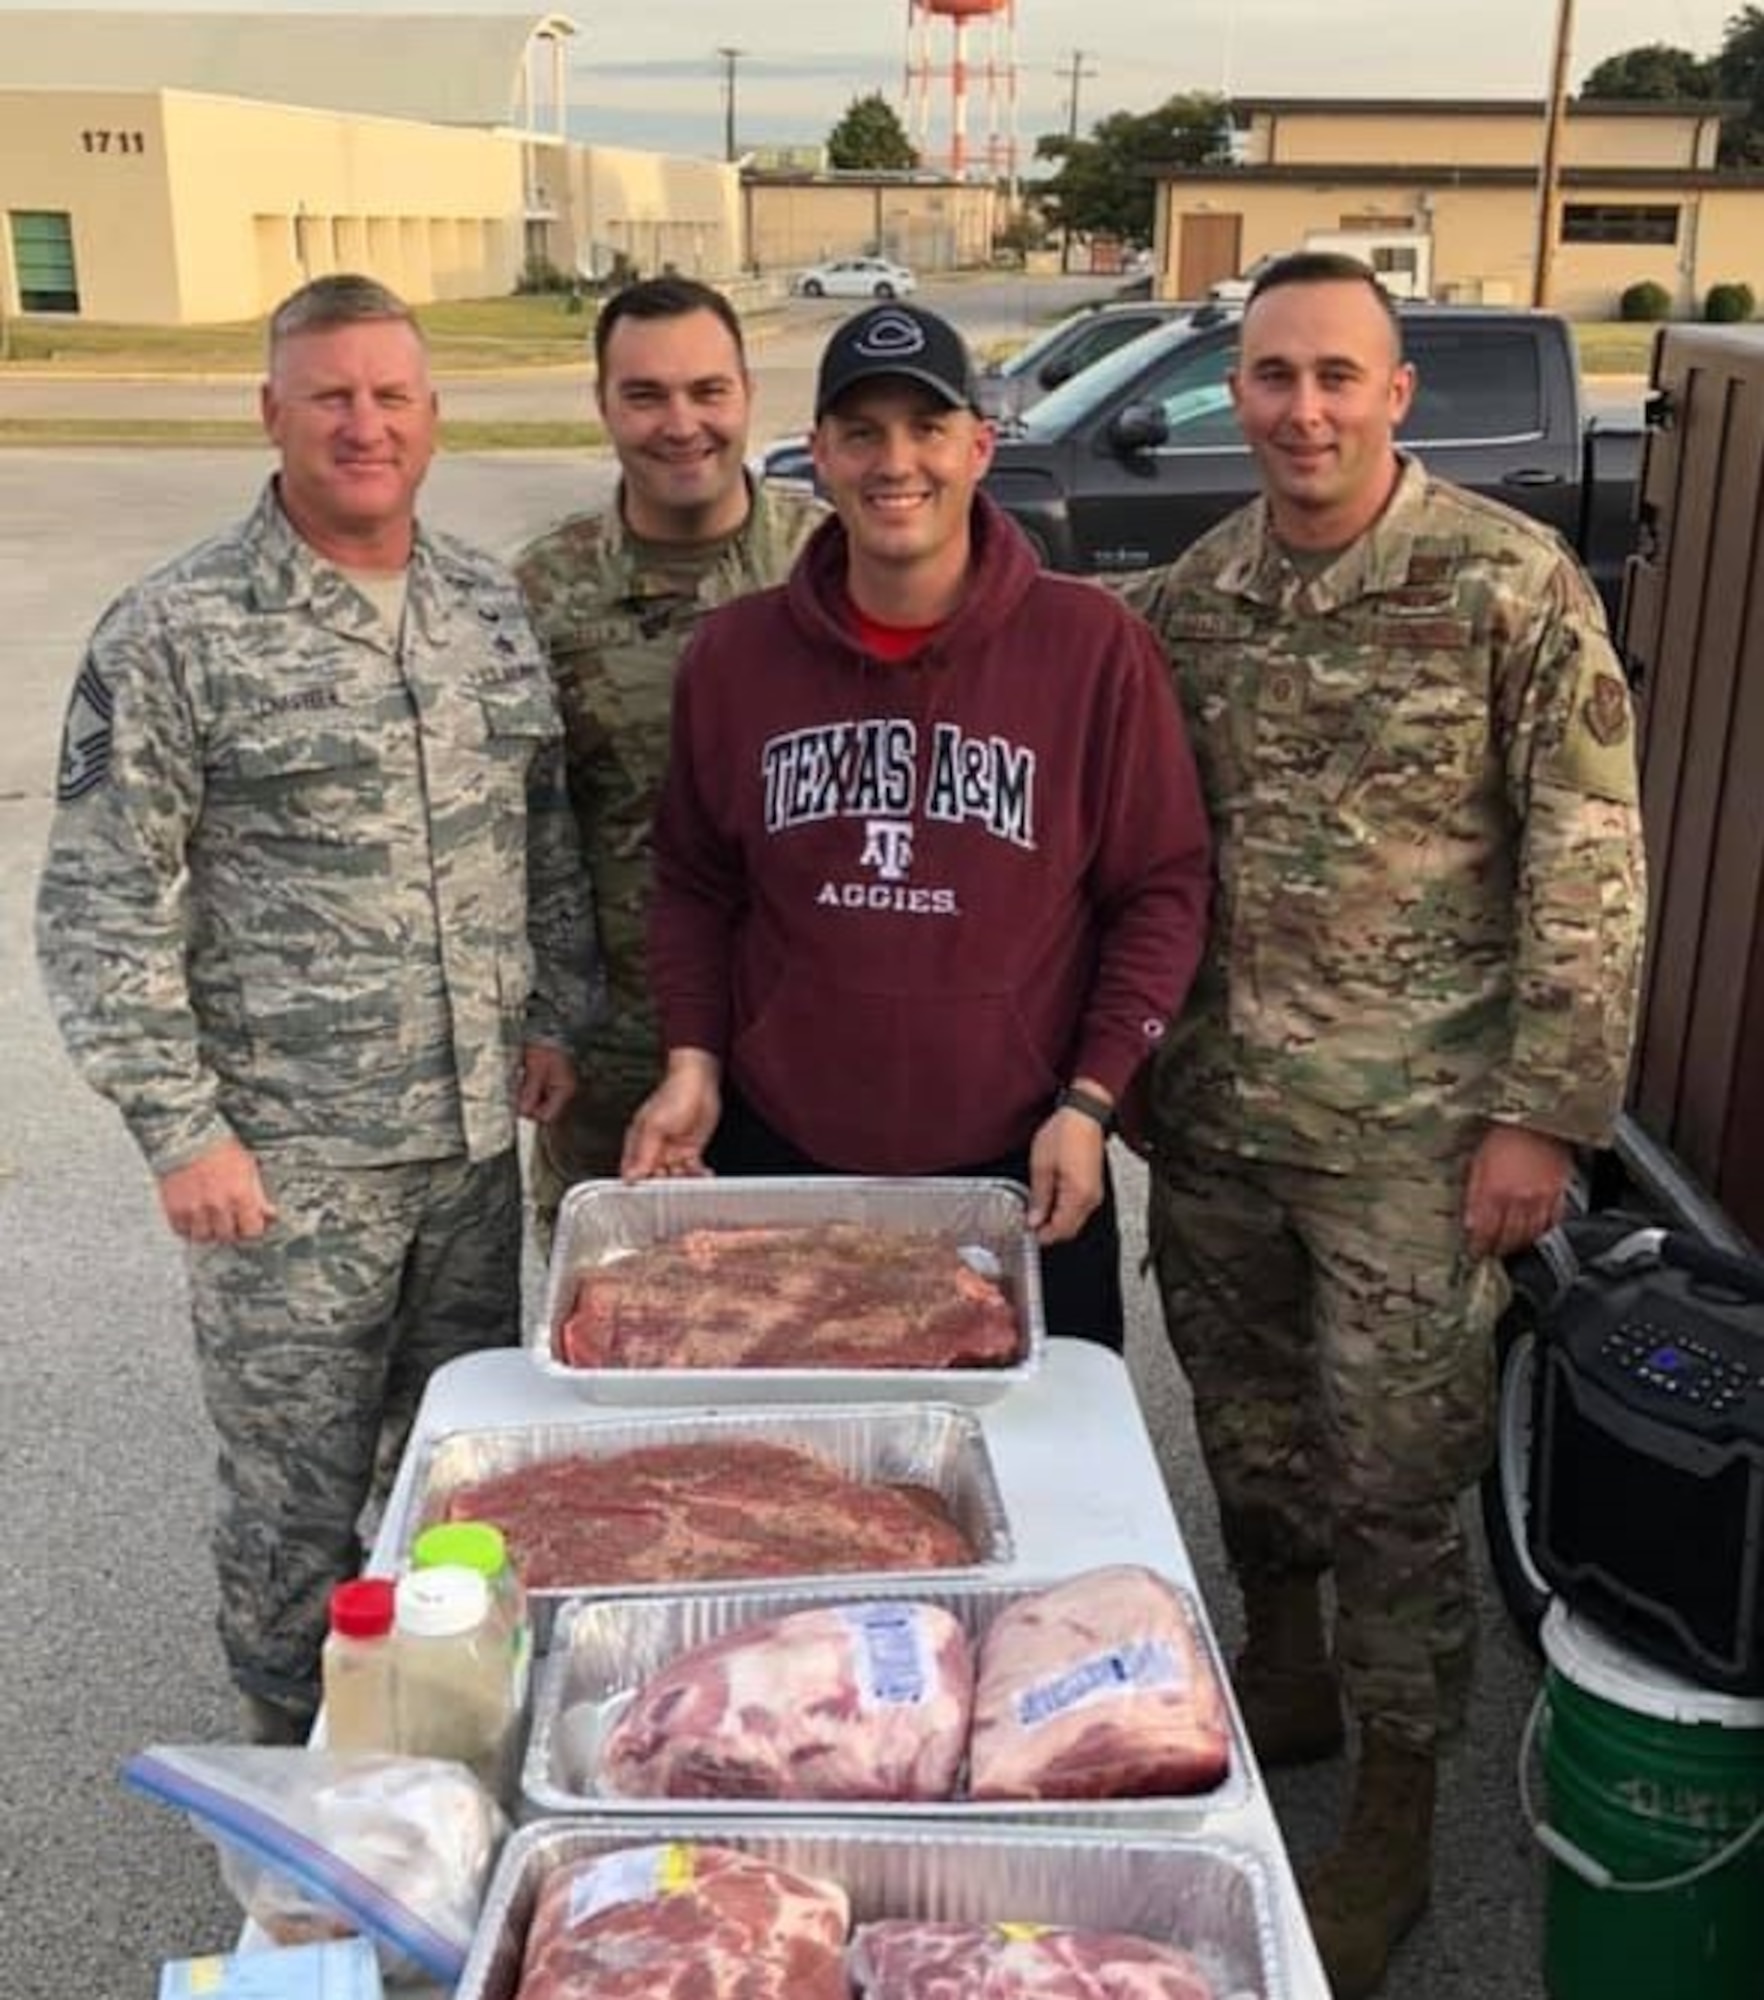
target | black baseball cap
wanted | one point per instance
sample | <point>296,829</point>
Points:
<point>894,339</point>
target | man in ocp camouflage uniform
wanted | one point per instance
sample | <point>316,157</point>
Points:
<point>311,917</point>
<point>1418,999</point>
<point>615,596</point>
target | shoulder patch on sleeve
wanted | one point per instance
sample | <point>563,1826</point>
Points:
<point>1597,752</point>
<point>85,736</point>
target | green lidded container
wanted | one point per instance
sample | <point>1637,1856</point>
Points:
<point>1656,1827</point>
<point>477,1545</point>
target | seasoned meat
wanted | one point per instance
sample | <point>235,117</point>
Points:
<point>838,1295</point>
<point>695,1513</point>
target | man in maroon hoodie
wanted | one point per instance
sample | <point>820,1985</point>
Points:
<point>931,860</point>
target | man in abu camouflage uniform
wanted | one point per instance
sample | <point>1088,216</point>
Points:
<point>1416,744</point>
<point>615,596</point>
<point>311,918</point>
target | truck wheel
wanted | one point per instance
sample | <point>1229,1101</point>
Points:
<point>884,290</point>
<point>1506,1486</point>
<point>813,288</point>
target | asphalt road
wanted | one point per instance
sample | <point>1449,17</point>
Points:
<point>104,1477</point>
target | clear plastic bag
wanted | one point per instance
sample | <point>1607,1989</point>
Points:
<point>317,1843</point>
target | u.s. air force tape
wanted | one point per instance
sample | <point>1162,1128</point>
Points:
<point>85,736</point>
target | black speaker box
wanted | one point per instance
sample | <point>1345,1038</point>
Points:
<point>1647,1465</point>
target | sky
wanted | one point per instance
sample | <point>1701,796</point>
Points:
<point>647,72</point>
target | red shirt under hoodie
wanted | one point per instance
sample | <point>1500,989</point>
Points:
<point>905,903</point>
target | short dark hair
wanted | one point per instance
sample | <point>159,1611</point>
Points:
<point>1326,267</point>
<point>669,297</point>
<point>345,298</point>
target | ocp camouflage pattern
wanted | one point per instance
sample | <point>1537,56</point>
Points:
<point>614,614</point>
<point>1420,766</point>
<point>308,884</point>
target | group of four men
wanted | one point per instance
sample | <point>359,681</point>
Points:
<point>890,855</point>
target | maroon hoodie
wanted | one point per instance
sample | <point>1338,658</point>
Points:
<point>906,903</point>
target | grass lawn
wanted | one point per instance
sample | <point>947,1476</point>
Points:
<point>469,435</point>
<point>1615,347</point>
<point>463,334</point>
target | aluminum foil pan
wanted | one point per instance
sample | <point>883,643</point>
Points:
<point>926,1444</point>
<point>1210,1897</point>
<point>603,1650</point>
<point>603,1220</point>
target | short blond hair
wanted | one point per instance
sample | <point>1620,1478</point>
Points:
<point>343,299</point>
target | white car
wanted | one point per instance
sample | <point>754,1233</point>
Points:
<point>855,278</point>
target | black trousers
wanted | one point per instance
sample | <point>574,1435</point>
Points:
<point>1080,1280</point>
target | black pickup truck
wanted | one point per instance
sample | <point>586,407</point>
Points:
<point>1132,460</point>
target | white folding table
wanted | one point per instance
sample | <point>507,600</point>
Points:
<point>1080,1484</point>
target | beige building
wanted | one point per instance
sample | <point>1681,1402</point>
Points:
<point>931,223</point>
<point>177,168</point>
<point>1640,198</point>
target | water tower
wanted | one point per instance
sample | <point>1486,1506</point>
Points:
<point>997,73</point>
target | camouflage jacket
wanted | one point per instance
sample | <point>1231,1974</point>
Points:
<point>1420,766</point>
<point>615,630</point>
<point>309,883</point>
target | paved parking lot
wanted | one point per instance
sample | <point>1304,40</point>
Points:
<point>104,1473</point>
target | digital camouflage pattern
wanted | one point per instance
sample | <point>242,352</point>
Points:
<point>309,883</point>
<point>313,1344</point>
<point>614,614</point>
<point>1339,1343</point>
<point>1420,765</point>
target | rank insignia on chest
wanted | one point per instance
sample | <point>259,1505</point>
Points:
<point>1606,710</point>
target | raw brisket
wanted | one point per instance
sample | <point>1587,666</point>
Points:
<point>1097,1688</point>
<point>695,1513</point>
<point>839,1295</point>
<point>904,1959</point>
<point>863,1701</point>
<point>676,1922</point>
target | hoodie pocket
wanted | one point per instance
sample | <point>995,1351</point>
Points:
<point>894,1083</point>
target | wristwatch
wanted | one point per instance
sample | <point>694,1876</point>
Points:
<point>1072,1098</point>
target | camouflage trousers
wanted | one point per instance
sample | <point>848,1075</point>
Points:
<point>1339,1342</point>
<point>314,1344</point>
<point>587,1142</point>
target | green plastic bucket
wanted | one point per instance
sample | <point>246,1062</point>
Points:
<point>1655,1834</point>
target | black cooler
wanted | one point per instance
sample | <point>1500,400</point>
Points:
<point>1647,1466</point>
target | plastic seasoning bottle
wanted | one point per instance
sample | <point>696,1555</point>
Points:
<point>357,1667</point>
<point>454,1697</point>
<point>480,1546</point>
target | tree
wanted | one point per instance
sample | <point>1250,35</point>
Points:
<point>870,138</point>
<point>1739,75</point>
<point>1101,185</point>
<point>1656,71</point>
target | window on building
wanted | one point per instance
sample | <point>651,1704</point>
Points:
<point>1618,222</point>
<point>43,262</point>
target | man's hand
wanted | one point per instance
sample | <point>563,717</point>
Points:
<point>1517,1188</point>
<point>548,1081</point>
<point>674,1123</point>
<point>1065,1175</point>
<point>218,1198</point>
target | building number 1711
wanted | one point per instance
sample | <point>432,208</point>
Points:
<point>114,142</point>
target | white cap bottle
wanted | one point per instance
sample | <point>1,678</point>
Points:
<point>453,1695</point>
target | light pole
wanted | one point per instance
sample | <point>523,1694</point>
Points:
<point>1076,71</point>
<point>730,58</point>
<point>1549,204</point>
